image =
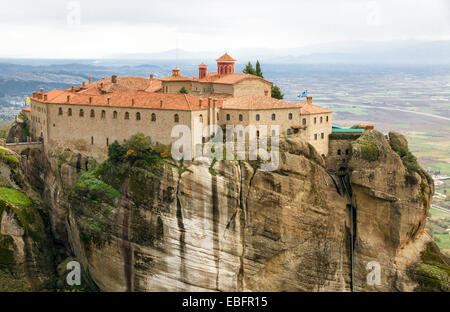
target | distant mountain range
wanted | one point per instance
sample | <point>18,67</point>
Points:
<point>387,52</point>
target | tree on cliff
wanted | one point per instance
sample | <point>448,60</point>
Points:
<point>258,71</point>
<point>249,69</point>
<point>276,93</point>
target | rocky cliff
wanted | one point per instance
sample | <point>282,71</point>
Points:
<point>228,226</point>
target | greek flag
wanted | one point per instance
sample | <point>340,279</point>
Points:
<point>303,94</point>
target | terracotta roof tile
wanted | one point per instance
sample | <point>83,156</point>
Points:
<point>142,99</point>
<point>226,58</point>
<point>26,109</point>
<point>256,102</point>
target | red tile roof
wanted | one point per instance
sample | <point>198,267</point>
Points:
<point>260,102</point>
<point>122,83</point>
<point>142,99</point>
<point>226,58</point>
<point>213,77</point>
<point>26,109</point>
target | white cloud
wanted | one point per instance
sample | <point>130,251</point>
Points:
<point>41,28</point>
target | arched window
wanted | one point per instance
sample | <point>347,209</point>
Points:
<point>257,117</point>
<point>60,112</point>
<point>81,113</point>
<point>127,115</point>
<point>114,115</point>
<point>321,119</point>
<point>138,116</point>
<point>69,112</point>
<point>346,152</point>
<point>322,135</point>
<point>153,117</point>
<point>304,121</point>
<point>107,141</point>
<point>241,117</point>
<point>273,116</point>
<point>217,116</point>
<point>92,113</point>
<point>290,115</point>
<point>103,114</point>
<point>200,118</point>
<point>176,118</point>
<point>315,136</point>
<point>327,118</point>
<point>228,117</point>
<point>257,133</point>
<point>315,120</point>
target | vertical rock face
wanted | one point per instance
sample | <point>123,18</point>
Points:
<point>26,248</point>
<point>228,226</point>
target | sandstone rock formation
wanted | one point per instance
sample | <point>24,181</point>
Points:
<point>228,226</point>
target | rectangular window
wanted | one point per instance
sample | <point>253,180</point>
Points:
<point>315,136</point>
<point>322,135</point>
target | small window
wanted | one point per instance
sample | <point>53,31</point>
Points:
<point>127,115</point>
<point>321,119</point>
<point>327,118</point>
<point>315,120</point>
<point>217,116</point>
<point>315,136</point>
<point>138,116</point>
<point>103,114</point>
<point>339,152</point>
<point>346,152</point>
<point>107,141</point>
<point>290,115</point>
<point>322,135</point>
<point>273,117</point>
<point>200,118</point>
<point>241,117</point>
<point>69,112</point>
<point>288,131</point>
<point>92,113</point>
<point>257,133</point>
<point>92,140</point>
<point>228,117</point>
<point>81,113</point>
<point>304,121</point>
<point>176,118</point>
<point>153,117</point>
<point>60,112</point>
<point>257,117</point>
<point>114,115</point>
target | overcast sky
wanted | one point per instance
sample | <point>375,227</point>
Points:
<point>98,28</point>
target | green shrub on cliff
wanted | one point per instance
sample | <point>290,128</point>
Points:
<point>137,149</point>
<point>97,188</point>
<point>366,146</point>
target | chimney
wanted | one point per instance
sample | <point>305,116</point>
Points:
<point>84,84</point>
<point>151,76</point>
<point>114,78</point>
<point>34,94</point>
<point>309,99</point>
<point>73,88</point>
<point>202,70</point>
<point>68,99</point>
<point>132,102</point>
<point>161,103</point>
<point>90,100</point>
<point>90,80</point>
<point>176,71</point>
<point>41,90</point>
<point>101,85</point>
<point>109,100</point>
<point>45,97</point>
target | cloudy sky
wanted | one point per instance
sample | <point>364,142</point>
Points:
<point>101,28</point>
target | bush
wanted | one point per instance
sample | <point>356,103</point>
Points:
<point>116,152</point>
